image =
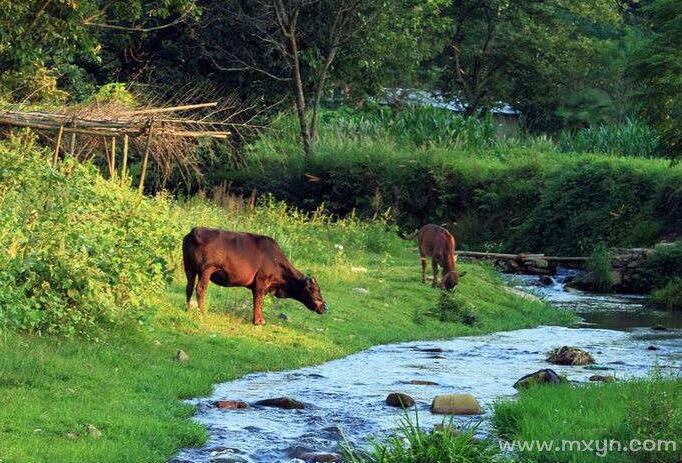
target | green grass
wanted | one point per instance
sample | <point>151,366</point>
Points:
<point>126,383</point>
<point>621,411</point>
<point>507,195</point>
<point>412,444</point>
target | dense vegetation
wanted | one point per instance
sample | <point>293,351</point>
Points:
<point>621,411</point>
<point>117,370</point>
<point>504,194</point>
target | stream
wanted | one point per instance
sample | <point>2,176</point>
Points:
<point>345,398</point>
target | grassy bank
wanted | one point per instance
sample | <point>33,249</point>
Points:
<point>92,310</point>
<point>641,410</point>
<point>512,195</point>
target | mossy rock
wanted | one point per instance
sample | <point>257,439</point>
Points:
<point>567,355</point>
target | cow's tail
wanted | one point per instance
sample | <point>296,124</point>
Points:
<point>189,244</point>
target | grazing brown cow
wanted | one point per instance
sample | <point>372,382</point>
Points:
<point>436,242</point>
<point>246,260</point>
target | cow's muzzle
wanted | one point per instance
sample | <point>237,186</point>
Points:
<point>323,308</point>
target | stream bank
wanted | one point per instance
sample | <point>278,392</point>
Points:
<point>345,398</point>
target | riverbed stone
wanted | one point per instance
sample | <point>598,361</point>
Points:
<point>231,404</point>
<point>546,280</point>
<point>399,399</point>
<point>602,378</point>
<point>281,402</point>
<point>653,348</point>
<point>456,404</point>
<point>568,355</point>
<point>544,376</point>
<point>423,382</point>
<point>320,457</point>
<point>659,328</point>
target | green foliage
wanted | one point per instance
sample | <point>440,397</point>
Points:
<point>411,125</point>
<point>670,295</point>
<point>632,138</point>
<point>655,69</point>
<point>412,444</point>
<point>504,194</point>
<point>452,307</point>
<point>600,269</point>
<point>662,267</point>
<point>81,252</point>
<point>620,411</point>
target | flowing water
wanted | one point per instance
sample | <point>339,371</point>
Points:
<point>345,398</point>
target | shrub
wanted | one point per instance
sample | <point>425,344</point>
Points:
<point>600,269</point>
<point>663,265</point>
<point>81,251</point>
<point>452,307</point>
<point>670,295</point>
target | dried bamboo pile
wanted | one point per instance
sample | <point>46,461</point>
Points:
<point>167,133</point>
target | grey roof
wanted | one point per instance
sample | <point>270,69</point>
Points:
<point>437,100</point>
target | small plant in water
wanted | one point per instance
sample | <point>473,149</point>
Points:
<point>600,270</point>
<point>412,444</point>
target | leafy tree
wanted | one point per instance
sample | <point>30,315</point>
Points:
<point>40,40</point>
<point>527,52</point>
<point>656,69</point>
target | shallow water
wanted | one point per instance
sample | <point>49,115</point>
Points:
<point>346,396</point>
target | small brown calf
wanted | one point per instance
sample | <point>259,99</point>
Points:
<point>436,242</point>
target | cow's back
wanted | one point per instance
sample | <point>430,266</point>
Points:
<point>240,255</point>
<point>435,241</point>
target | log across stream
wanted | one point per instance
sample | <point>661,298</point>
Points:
<point>345,398</point>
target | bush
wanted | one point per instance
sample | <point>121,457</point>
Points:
<point>670,295</point>
<point>81,251</point>
<point>453,307</point>
<point>663,265</point>
<point>600,269</point>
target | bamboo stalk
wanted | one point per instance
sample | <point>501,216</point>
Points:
<point>73,139</point>
<point>55,156</point>
<point>145,160</point>
<point>124,163</point>
<point>113,157</point>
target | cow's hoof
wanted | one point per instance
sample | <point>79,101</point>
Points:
<point>259,322</point>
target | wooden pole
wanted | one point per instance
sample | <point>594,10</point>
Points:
<point>124,164</point>
<point>113,157</point>
<point>145,160</point>
<point>55,156</point>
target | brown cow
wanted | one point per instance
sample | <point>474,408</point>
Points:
<point>436,242</point>
<point>246,260</point>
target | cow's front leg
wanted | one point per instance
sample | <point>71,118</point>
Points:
<point>258,296</point>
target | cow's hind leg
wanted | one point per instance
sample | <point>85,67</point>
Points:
<point>204,278</point>
<point>434,268</point>
<point>423,260</point>
<point>258,296</point>
<point>189,289</point>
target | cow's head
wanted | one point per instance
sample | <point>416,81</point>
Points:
<point>451,279</point>
<point>310,296</point>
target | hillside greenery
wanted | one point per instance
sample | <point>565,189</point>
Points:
<point>505,194</point>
